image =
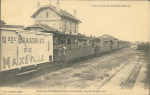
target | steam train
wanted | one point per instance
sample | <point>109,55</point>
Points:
<point>23,51</point>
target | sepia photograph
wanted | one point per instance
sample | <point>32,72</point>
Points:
<point>84,47</point>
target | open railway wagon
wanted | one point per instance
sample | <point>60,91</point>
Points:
<point>115,44</point>
<point>68,47</point>
<point>128,44</point>
<point>120,44</point>
<point>108,43</point>
<point>23,51</point>
<point>104,45</point>
<point>123,44</point>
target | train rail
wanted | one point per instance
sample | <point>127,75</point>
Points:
<point>114,74</point>
<point>126,81</point>
<point>136,71</point>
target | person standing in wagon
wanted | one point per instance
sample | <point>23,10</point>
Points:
<point>64,50</point>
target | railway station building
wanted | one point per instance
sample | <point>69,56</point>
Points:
<point>55,19</point>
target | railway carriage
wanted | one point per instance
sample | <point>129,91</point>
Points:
<point>68,47</point>
<point>24,50</point>
<point>78,46</point>
<point>104,46</point>
<point>108,43</point>
<point>115,44</point>
<point>128,44</point>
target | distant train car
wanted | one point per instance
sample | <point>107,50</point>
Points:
<point>126,44</point>
<point>21,50</point>
<point>108,43</point>
<point>115,44</point>
<point>104,45</point>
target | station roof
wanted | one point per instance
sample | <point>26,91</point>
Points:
<point>43,26</point>
<point>61,12</point>
<point>68,34</point>
<point>48,29</point>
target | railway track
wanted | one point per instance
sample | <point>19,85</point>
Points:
<point>126,81</point>
<point>134,73</point>
<point>125,85</point>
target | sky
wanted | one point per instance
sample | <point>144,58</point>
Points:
<point>130,23</point>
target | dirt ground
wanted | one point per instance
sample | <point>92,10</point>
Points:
<point>87,74</point>
<point>147,59</point>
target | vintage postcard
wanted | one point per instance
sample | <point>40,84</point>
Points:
<point>61,47</point>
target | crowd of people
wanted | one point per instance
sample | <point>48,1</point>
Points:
<point>59,51</point>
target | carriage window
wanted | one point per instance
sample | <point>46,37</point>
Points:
<point>91,42</point>
<point>75,28</point>
<point>106,43</point>
<point>76,43</point>
<point>87,43</point>
<point>81,43</point>
<point>68,41</point>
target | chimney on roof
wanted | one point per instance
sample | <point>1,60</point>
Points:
<point>58,5</point>
<point>38,5</point>
<point>75,13</point>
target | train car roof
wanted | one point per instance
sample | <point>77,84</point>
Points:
<point>108,37</point>
<point>73,35</point>
<point>43,26</point>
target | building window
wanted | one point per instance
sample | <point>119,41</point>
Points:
<point>47,14</point>
<point>48,45</point>
<point>65,26</point>
<point>70,27</point>
<point>50,58</point>
<point>75,28</point>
